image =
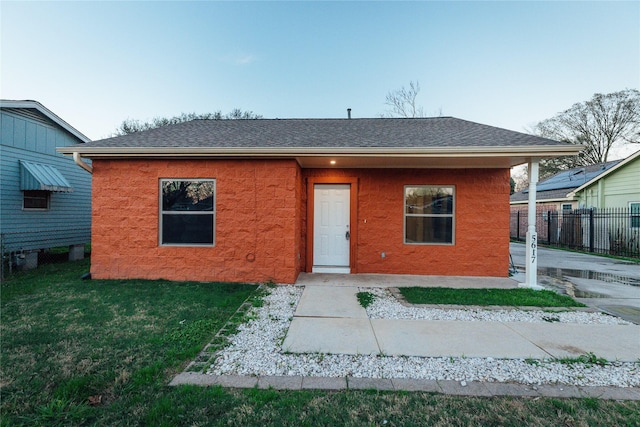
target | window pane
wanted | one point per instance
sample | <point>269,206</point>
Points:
<point>187,196</point>
<point>33,199</point>
<point>635,215</point>
<point>429,229</point>
<point>187,229</point>
<point>429,200</point>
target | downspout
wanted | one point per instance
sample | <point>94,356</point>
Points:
<point>77,158</point>
<point>531,270</point>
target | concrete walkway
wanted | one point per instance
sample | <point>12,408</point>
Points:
<point>329,319</point>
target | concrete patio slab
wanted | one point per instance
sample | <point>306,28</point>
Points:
<point>330,301</point>
<point>399,280</point>
<point>613,342</point>
<point>330,336</point>
<point>452,338</point>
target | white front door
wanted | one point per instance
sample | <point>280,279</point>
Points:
<point>331,230</point>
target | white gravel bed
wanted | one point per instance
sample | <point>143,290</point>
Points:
<point>256,350</point>
<point>386,306</point>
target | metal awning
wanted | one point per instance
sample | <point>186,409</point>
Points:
<point>38,176</point>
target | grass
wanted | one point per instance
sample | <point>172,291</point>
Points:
<point>503,297</point>
<point>365,298</point>
<point>101,353</point>
<point>585,359</point>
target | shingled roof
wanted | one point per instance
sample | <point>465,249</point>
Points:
<point>558,186</point>
<point>310,141</point>
<point>326,133</point>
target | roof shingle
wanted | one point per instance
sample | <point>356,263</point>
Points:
<point>327,133</point>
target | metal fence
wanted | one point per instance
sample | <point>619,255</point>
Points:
<point>613,231</point>
<point>28,249</point>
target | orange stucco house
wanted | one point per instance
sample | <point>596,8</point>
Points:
<point>259,200</point>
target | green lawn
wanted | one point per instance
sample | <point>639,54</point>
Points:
<point>505,297</point>
<point>102,353</point>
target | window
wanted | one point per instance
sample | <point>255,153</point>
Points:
<point>428,214</point>
<point>35,200</point>
<point>566,207</point>
<point>187,212</point>
<point>634,208</point>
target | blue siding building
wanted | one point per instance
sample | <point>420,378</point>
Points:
<point>45,198</point>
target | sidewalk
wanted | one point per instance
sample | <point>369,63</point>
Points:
<point>329,319</point>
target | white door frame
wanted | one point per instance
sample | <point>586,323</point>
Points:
<point>353,217</point>
<point>337,224</point>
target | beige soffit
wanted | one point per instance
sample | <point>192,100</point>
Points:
<point>555,199</point>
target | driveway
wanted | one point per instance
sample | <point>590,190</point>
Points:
<point>610,285</point>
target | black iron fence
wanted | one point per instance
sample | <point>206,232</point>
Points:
<point>613,231</point>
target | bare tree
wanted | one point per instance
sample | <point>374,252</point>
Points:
<point>403,102</point>
<point>131,125</point>
<point>520,178</point>
<point>599,124</point>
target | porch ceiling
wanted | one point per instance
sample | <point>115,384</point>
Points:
<point>408,162</point>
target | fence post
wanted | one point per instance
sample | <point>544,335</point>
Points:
<point>592,237</point>
<point>549,228</point>
<point>518,226</point>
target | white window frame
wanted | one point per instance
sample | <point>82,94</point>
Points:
<point>632,216</point>
<point>452,215</point>
<point>162,212</point>
<point>25,195</point>
<point>563,207</point>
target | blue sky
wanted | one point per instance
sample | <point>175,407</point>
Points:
<point>507,64</point>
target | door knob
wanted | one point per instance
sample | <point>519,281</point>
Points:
<point>347,235</point>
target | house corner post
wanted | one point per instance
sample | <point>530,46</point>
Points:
<point>531,271</point>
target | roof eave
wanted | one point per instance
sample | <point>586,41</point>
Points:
<point>568,198</point>
<point>48,113</point>
<point>493,151</point>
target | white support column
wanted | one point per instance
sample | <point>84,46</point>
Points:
<point>531,270</point>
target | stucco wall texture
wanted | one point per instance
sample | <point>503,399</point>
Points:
<point>261,230</point>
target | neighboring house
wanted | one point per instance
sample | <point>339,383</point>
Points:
<point>258,200</point>
<point>596,208</point>
<point>555,193</point>
<point>617,187</point>
<point>45,199</point>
